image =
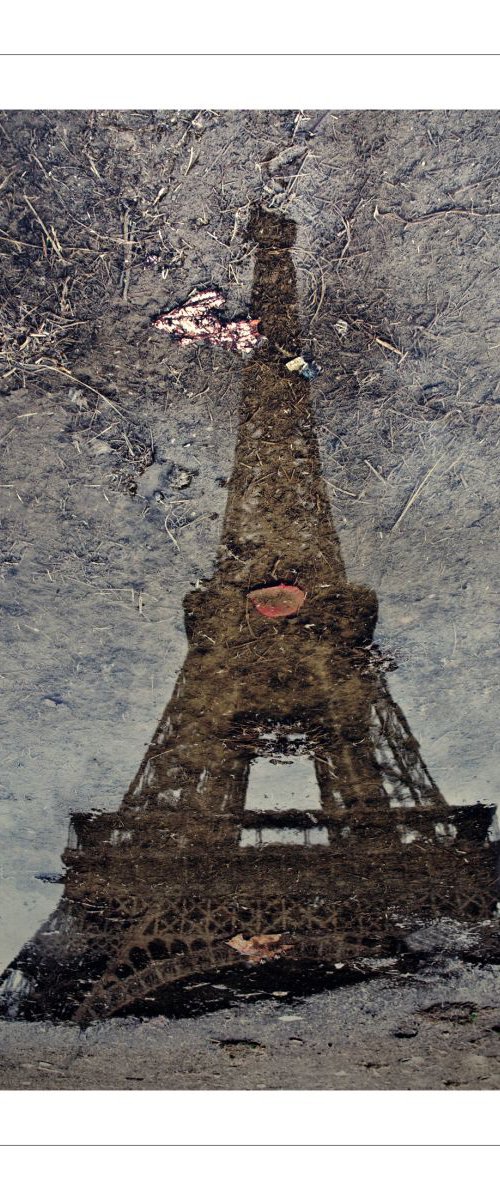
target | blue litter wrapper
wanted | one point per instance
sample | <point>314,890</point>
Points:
<point>310,370</point>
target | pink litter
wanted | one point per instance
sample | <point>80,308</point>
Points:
<point>198,321</point>
<point>282,600</point>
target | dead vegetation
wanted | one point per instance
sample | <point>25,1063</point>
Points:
<point>77,214</point>
<point>106,216</point>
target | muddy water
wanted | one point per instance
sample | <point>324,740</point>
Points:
<point>283,832</point>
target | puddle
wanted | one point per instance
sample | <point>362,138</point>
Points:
<point>283,830</point>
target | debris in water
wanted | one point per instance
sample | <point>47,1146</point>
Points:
<point>283,600</point>
<point>296,364</point>
<point>179,478</point>
<point>311,370</point>
<point>308,370</point>
<point>197,321</point>
<point>260,947</point>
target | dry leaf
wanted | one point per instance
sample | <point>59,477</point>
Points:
<point>260,947</point>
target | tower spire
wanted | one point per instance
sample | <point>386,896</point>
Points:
<point>278,521</point>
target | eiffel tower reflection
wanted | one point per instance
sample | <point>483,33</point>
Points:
<point>282,820</point>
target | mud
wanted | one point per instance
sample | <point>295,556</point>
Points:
<point>144,475</point>
<point>370,1036</point>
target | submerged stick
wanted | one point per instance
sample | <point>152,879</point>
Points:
<point>417,491</point>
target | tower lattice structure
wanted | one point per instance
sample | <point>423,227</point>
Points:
<point>157,892</point>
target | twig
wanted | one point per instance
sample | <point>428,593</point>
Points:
<point>388,346</point>
<point>211,165</point>
<point>344,491</point>
<point>6,179</point>
<point>127,257</point>
<point>247,619</point>
<point>32,245</point>
<point>417,491</point>
<point>375,472</point>
<point>51,238</point>
<point>321,295</point>
<point>159,196</point>
<point>432,216</point>
<point>190,163</point>
<point>191,125</point>
<point>348,234</point>
<point>171,536</point>
<point>64,371</point>
<point>293,181</point>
